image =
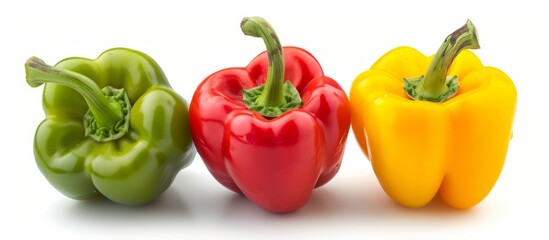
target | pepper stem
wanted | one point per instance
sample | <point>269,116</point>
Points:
<point>108,116</point>
<point>436,86</point>
<point>274,97</point>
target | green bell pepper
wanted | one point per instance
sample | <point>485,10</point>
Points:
<point>113,127</point>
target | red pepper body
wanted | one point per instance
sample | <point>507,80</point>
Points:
<point>276,163</point>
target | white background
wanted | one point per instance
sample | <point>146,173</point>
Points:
<point>192,39</point>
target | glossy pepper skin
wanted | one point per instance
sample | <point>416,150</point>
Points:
<point>133,169</point>
<point>275,162</point>
<point>455,148</point>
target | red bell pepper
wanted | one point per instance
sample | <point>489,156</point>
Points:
<point>272,141</point>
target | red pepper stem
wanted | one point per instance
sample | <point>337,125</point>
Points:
<point>107,118</point>
<point>273,92</point>
<point>436,86</point>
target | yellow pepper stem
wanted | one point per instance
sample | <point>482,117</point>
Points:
<point>436,86</point>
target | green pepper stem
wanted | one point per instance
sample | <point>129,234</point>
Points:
<point>273,92</point>
<point>106,115</point>
<point>436,86</point>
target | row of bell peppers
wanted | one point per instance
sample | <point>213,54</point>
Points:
<point>277,128</point>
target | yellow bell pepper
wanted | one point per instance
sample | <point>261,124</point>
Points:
<point>435,134</point>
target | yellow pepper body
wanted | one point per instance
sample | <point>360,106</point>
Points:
<point>417,149</point>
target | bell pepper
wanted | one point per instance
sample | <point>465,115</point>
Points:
<point>113,127</point>
<point>272,140</point>
<point>444,132</point>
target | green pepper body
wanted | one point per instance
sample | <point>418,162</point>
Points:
<point>134,169</point>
